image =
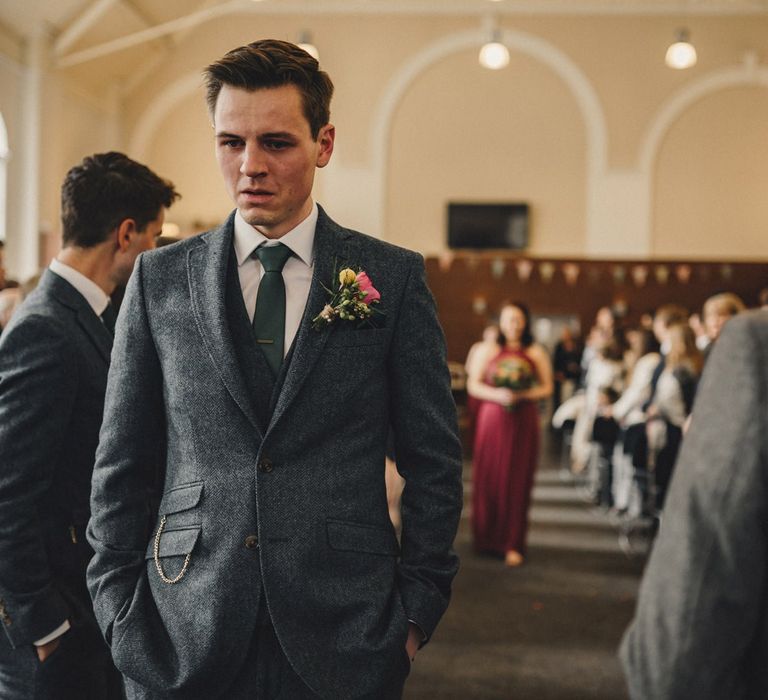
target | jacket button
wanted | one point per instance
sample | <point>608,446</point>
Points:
<point>251,542</point>
<point>265,465</point>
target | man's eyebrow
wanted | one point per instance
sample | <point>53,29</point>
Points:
<point>268,135</point>
<point>277,135</point>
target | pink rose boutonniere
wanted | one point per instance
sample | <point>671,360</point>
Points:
<point>355,299</point>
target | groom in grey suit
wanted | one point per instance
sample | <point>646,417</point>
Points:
<point>270,567</point>
<point>54,358</point>
<point>701,626</point>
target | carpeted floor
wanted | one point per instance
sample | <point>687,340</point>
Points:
<point>547,630</point>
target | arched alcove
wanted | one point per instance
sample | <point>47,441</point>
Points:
<point>710,178</point>
<point>687,182</point>
<point>510,135</point>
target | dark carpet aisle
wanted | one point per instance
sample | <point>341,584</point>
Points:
<point>547,630</point>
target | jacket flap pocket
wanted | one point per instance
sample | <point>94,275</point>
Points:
<point>181,498</point>
<point>174,543</point>
<point>359,537</point>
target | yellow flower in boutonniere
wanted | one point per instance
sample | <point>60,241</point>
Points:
<point>354,300</point>
<point>347,276</point>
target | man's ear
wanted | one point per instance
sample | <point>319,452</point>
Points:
<point>123,234</point>
<point>326,139</point>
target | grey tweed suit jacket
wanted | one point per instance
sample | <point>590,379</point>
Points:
<point>54,358</point>
<point>309,485</point>
<point>701,626</point>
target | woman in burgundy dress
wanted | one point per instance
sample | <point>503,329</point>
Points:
<point>508,382</point>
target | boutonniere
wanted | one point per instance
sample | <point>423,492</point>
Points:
<point>355,299</point>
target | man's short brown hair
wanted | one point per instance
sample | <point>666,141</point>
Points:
<point>270,63</point>
<point>105,189</point>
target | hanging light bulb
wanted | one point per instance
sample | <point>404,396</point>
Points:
<point>682,53</point>
<point>305,43</point>
<point>494,55</point>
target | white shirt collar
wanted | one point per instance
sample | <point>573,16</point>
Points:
<point>301,239</point>
<point>95,296</point>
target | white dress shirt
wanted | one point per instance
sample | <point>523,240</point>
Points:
<point>95,296</point>
<point>297,273</point>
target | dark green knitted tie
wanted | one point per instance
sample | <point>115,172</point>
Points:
<point>269,317</point>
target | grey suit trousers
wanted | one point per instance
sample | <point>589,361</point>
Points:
<point>267,669</point>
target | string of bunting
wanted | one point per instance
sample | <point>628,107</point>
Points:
<point>620,273</point>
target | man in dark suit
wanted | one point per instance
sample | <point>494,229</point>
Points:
<point>701,626</point>
<point>269,358</point>
<point>54,358</point>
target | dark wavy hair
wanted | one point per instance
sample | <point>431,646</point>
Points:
<point>104,190</point>
<point>270,63</point>
<point>526,339</point>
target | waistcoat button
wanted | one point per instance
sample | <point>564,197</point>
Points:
<point>251,542</point>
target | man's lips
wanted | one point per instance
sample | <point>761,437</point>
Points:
<point>256,195</point>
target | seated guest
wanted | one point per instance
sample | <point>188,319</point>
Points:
<point>629,413</point>
<point>601,331</point>
<point>10,299</point>
<point>606,370</point>
<point>605,433</point>
<point>717,310</point>
<point>10,293</point>
<point>566,366</point>
<point>697,326</point>
<point>671,404</point>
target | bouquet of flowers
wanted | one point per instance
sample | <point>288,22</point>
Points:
<point>514,373</point>
<point>353,300</point>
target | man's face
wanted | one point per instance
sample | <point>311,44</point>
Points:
<point>267,155</point>
<point>714,320</point>
<point>147,239</point>
<point>138,242</point>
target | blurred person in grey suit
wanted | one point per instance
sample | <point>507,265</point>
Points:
<point>268,358</point>
<point>701,625</point>
<point>54,358</point>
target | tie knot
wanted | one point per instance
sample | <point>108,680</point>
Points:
<point>273,257</point>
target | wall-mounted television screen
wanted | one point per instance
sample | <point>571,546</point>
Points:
<point>488,226</point>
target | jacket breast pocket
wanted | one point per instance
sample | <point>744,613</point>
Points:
<point>346,536</point>
<point>178,530</point>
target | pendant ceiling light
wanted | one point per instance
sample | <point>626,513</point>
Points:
<point>681,54</point>
<point>494,55</point>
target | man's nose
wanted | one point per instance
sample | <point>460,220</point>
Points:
<point>254,163</point>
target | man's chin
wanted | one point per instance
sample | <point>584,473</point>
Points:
<point>255,217</point>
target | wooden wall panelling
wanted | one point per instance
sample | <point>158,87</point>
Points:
<point>460,282</point>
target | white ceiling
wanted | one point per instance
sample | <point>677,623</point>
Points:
<point>91,36</point>
<point>24,17</point>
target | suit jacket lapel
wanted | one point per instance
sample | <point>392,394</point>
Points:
<point>330,253</point>
<point>91,324</point>
<point>97,331</point>
<point>207,271</point>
